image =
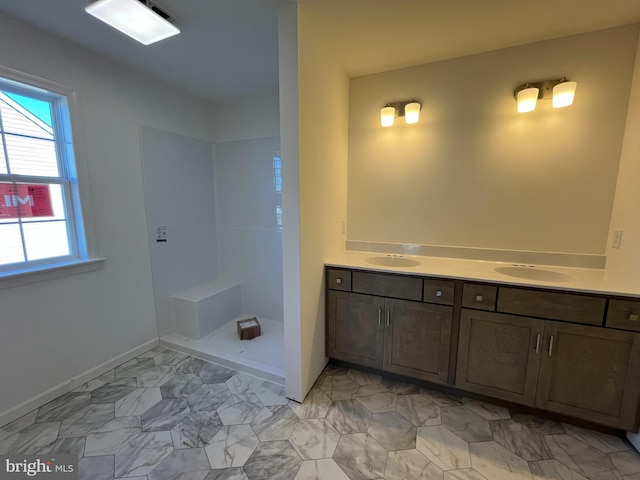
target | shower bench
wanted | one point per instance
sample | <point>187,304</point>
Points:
<point>199,310</point>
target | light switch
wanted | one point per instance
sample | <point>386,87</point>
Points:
<point>617,238</point>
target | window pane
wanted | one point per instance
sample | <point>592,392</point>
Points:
<point>46,240</point>
<point>57,204</point>
<point>25,116</point>
<point>31,156</point>
<point>11,251</point>
<point>3,160</point>
<point>30,202</point>
<point>37,111</point>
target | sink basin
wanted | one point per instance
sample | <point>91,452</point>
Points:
<point>532,273</point>
<point>392,261</point>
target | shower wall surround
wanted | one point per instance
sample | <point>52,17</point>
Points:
<point>249,221</point>
<point>179,195</point>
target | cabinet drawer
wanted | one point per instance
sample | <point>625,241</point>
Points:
<point>551,305</point>
<point>338,279</point>
<point>624,314</point>
<point>438,291</point>
<point>482,297</point>
<point>395,286</point>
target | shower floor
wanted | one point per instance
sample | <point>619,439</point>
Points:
<point>262,356</point>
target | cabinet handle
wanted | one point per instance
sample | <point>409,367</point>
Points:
<point>538,344</point>
<point>438,293</point>
<point>550,345</point>
<point>388,318</point>
<point>379,317</point>
<point>633,317</point>
<point>339,281</point>
<point>478,298</point>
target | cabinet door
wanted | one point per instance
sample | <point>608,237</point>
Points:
<point>417,340</point>
<point>498,355</point>
<point>591,373</point>
<point>355,328</point>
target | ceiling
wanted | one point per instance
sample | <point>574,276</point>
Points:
<point>229,48</point>
<point>370,36</point>
<point>226,48</point>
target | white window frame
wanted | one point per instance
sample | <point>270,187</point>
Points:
<point>66,132</point>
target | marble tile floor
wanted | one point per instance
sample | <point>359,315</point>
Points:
<point>169,416</point>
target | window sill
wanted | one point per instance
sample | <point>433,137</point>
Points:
<point>17,279</point>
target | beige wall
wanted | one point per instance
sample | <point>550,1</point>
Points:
<point>623,264</point>
<point>324,114</point>
<point>316,198</point>
<point>473,172</point>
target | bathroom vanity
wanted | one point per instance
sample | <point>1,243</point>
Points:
<point>572,349</point>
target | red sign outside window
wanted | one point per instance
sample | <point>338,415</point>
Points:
<point>25,200</point>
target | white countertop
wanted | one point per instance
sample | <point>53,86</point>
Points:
<point>579,280</point>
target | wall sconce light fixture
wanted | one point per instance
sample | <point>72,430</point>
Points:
<point>387,116</point>
<point>409,109</point>
<point>527,98</point>
<point>560,90</point>
<point>140,19</point>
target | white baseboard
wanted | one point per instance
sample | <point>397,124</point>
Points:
<point>27,406</point>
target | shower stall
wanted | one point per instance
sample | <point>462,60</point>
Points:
<point>215,231</point>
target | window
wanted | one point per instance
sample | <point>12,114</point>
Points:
<point>40,217</point>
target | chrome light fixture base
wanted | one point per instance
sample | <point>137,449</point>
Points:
<point>560,91</point>
<point>545,88</point>
<point>409,109</point>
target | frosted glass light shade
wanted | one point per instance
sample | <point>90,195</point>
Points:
<point>563,94</point>
<point>387,116</point>
<point>134,19</point>
<point>412,112</point>
<point>527,99</point>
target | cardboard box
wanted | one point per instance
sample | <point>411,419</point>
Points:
<point>248,329</point>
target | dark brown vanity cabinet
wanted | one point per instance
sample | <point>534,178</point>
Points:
<point>566,352</point>
<point>499,355</point>
<point>373,329</point>
<point>590,373</point>
<point>354,328</point>
<point>578,370</point>
<point>417,340</point>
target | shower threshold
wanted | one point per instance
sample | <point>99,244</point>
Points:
<point>262,356</point>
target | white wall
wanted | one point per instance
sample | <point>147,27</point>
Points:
<point>473,172</point>
<point>289,145</point>
<point>250,237</point>
<point>317,197</point>
<point>179,194</point>
<point>254,116</point>
<point>55,330</point>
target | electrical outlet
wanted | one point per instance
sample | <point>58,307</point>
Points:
<point>617,238</point>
